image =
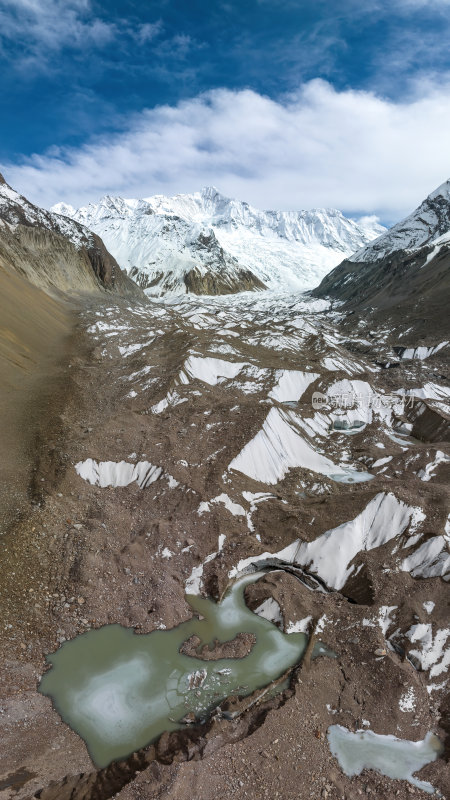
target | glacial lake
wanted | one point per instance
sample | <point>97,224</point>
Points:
<point>120,691</point>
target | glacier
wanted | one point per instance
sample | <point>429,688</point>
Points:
<point>206,243</point>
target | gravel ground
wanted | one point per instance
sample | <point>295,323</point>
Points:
<point>84,555</point>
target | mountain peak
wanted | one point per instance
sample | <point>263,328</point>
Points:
<point>401,278</point>
<point>442,191</point>
<point>164,240</point>
<point>426,223</point>
<point>64,209</point>
<point>211,191</point>
<point>95,270</point>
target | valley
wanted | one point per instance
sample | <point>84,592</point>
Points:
<point>190,385</point>
<point>292,445</point>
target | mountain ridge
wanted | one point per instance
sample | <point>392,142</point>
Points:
<point>403,276</point>
<point>45,234</point>
<point>428,221</point>
<point>161,241</point>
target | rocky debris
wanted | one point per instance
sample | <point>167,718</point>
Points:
<point>239,647</point>
<point>192,743</point>
<point>430,423</point>
<point>109,545</point>
<point>201,282</point>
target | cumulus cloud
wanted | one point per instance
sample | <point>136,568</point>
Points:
<point>318,147</point>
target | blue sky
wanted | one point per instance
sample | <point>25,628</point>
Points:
<point>99,97</point>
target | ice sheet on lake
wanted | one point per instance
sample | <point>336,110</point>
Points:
<point>395,758</point>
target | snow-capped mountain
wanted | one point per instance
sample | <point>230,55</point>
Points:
<point>16,209</point>
<point>210,244</point>
<point>404,275</point>
<point>428,222</point>
<point>86,263</point>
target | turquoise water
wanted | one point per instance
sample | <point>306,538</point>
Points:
<point>119,691</point>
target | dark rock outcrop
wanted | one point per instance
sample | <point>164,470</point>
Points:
<point>242,280</point>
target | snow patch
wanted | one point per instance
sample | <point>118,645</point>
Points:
<point>407,701</point>
<point>421,353</point>
<point>430,560</point>
<point>432,654</point>
<point>270,610</point>
<point>428,472</point>
<point>300,626</point>
<point>291,385</point>
<point>121,473</point>
<point>209,370</point>
<point>330,555</point>
<point>431,391</point>
<point>234,508</point>
<point>278,447</point>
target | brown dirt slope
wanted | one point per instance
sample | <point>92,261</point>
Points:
<point>47,265</point>
<point>401,289</point>
<point>78,259</point>
<point>34,334</point>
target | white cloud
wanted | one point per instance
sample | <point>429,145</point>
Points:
<point>148,31</point>
<point>320,147</point>
<point>52,24</point>
<point>426,4</point>
<point>39,29</point>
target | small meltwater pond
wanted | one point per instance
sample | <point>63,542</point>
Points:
<point>119,691</point>
<point>351,476</point>
<point>395,758</point>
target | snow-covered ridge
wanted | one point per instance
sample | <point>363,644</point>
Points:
<point>428,225</point>
<point>164,238</point>
<point>330,556</point>
<point>16,209</point>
